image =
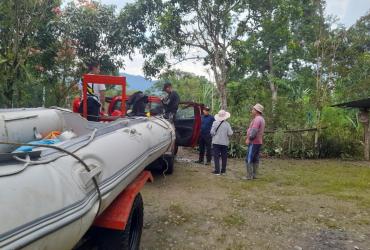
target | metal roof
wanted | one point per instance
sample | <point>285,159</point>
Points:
<point>362,104</point>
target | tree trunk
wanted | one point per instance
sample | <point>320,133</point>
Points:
<point>9,93</point>
<point>317,133</point>
<point>274,90</point>
<point>220,79</point>
<point>223,96</point>
<point>274,100</point>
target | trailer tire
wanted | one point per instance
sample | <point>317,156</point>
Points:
<point>128,239</point>
<point>168,164</point>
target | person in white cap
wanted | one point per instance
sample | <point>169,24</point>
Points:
<point>254,141</point>
<point>220,131</point>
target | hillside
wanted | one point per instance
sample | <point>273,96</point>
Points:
<point>137,82</point>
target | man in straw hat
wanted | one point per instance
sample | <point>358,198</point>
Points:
<point>254,141</point>
<point>220,131</point>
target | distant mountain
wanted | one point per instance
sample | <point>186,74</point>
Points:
<point>136,82</point>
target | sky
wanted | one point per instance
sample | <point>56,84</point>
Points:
<point>347,11</point>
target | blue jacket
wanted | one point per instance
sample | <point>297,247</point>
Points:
<point>206,126</point>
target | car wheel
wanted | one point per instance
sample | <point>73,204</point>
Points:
<point>128,239</point>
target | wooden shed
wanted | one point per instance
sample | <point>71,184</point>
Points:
<point>363,106</point>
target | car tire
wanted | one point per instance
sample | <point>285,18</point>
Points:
<point>128,239</point>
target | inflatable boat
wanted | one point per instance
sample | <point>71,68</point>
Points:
<point>50,193</point>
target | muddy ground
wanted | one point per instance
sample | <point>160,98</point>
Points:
<point>294,204</point>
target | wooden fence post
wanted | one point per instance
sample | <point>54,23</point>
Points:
<point>364,119</point>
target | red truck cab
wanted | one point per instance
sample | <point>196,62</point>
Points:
<point>187,122</point>
<point>188,117</point>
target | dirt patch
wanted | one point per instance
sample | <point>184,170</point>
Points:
<point>293,205</point>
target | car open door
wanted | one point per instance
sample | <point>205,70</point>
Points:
<point>187,124</point>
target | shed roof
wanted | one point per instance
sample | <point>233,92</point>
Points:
<point>362,104</point>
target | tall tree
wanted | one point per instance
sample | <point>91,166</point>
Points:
<point>82,34</point>
<point>353,62</point>
<point>277,46</point>
<point>21,26</point>
<point>178,26</point>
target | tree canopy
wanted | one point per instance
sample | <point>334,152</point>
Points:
<point>285,54</point>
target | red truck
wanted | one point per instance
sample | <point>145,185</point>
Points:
<point>187,123</point>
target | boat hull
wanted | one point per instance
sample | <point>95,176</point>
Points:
<point>51,206</point>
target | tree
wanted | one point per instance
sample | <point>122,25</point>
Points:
<point>21,26</point>
<point>180,25</point>
<point>82,34</point>
<point>201,89</point>
<point>276,47</point>
<point>353,62</point>
<point>91,27</point>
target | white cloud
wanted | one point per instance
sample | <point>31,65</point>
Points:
<point>196,67</point>
<point>135,65</point>
<point>337,7</point>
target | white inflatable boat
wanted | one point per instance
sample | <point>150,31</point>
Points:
<point>48,199</point>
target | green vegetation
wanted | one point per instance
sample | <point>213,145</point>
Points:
<point>286,54</point>
<point>232,220</point>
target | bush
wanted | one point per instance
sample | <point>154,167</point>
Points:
<point>237,150</point>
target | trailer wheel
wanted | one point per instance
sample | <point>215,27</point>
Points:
<point>168,164</point>
<point>128,239</point>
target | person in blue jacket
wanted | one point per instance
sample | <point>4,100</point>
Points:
<point>205,139</point>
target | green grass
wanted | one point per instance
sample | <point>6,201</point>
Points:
<point>350,183</point>
<point>290,202</point>
<point>233,220</point>
<point>176,215</point>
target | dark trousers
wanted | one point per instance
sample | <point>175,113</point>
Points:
<point>220,151</point>
<point>252,159</point>
<point>205,146</point>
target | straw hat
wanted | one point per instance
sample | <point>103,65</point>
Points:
<point>222,115</point>
<point>258,107</point>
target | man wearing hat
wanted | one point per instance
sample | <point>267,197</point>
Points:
<point>170,102</point>
<point>254,141</point>
<point>205,139</point>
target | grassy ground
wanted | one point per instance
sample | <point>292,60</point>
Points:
<point>293,205</point>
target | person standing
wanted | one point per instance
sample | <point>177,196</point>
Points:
<point>254,141</point>
<point>205,139</point>
<point>95,95</point>
<point>170,102</point>
<point>220,131</point>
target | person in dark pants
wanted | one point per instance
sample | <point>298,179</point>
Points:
<point>205,139</point>
<point>170,102</point>
<point>220,131</point>
<point>254,141</point>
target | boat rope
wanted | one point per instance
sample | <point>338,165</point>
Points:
<point>166,126</point>
<point>94,180</point>
<point>29,162</point>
